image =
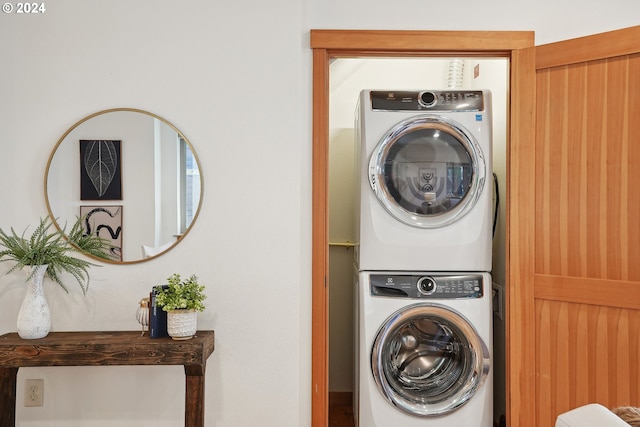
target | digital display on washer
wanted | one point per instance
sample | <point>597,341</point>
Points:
<point>427,286</point>
<point>435,100</point>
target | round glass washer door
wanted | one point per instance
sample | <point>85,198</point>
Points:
<point>428,360</point>
<point>427,171</point>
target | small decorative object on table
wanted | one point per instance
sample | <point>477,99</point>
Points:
<point>46,252</point>
<point>181,300</point>
<point>142,314</point>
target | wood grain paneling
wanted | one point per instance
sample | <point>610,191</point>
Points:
<point>611,293</point>
<point>398,41</point>
<point>520,242</point>
<point>587,224</point>
<point>584,354</point>
<point>587,170</point>
<point>320,242</point>
<point>598,46</point>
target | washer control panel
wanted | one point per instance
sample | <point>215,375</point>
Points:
<point>434,100</point>
<point>435,286</point>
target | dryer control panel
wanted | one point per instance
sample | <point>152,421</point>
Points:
<point>433,100</point>
<point>432,286</point>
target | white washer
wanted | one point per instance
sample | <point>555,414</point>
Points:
<point>423,350</point>
<point>424,191</point>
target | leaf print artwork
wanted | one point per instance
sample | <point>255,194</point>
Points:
<point>100,175</point>
<point>100,162</point>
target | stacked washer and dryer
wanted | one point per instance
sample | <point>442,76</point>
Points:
<point>423,259</point>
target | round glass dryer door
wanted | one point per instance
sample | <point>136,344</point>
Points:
<point>427,360</point>
<point>427,171</point>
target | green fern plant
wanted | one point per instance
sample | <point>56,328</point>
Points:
<point>48,245</point>
<point>181,295</point>
<point>89,244</point>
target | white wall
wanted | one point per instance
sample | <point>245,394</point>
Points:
<point>551,20</point>
<point>226,77</point>
<point>235,77</point>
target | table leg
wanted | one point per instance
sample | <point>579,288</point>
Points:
<point>8,382</point>
<point>194,396</point>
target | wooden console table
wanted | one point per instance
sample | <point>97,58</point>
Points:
<point>105,349</point>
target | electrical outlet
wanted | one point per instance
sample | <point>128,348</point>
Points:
<point>498,301</point>
<point>33,392</point>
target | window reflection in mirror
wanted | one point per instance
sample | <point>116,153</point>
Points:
<point>189,185</point>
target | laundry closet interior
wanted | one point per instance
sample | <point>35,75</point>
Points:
<point>348,77</point>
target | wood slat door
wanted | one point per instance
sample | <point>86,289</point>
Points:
<point>586,227</point>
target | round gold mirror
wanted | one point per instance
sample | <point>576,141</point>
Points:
<point>133,178</point>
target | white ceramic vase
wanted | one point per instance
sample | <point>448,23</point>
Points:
<point>34,317</point>
<point>182,324</point>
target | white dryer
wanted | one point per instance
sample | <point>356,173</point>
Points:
<point>424,190</point>
<point>423,350</point>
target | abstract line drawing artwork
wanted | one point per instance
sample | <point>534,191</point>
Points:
<point>106,223</point>
<point>100,170</point>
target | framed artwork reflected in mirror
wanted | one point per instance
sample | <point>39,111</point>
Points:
<point>106,223</point>
<point>100,170</point>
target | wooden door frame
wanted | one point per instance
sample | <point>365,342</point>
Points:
<point>517,46</point>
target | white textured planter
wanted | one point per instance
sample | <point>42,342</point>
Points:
<point>34,317</point>
<point>182,324</point>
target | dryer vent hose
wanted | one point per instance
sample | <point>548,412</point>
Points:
<point>455,76</point>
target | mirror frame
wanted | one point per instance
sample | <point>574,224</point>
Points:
<point>133,110</point>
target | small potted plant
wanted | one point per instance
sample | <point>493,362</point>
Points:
<point>181,299</point>
<point>47,252</point>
